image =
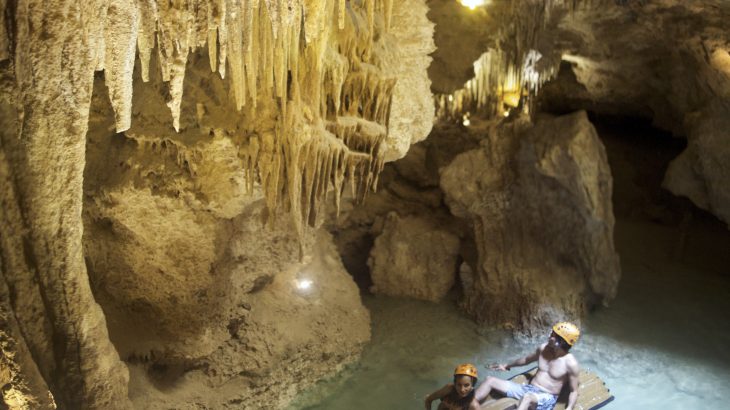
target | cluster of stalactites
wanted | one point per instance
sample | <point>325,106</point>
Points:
<point>305,166</point>
<point>258,43</point>
<point>509,77</point>
<point>498,86</point>
<point>290,52</point>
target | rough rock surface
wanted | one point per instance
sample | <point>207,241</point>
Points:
<point>701,173</point>
<point>665,60</point>
<point>276,331</point>
<point>412,257</point>
<point>195,275</point>
<point>46,96</point>
<point>409,188</point>
<point>539,200</point>
<point>453,60</point>
<point>669,64</point>
<point>226,114</point>
<point>412,110</point>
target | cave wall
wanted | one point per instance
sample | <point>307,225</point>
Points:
<point>664,60</point>
<point>538,197</point>
<point>668,64</point>
<point>216,131</point>
<point>514,217</point>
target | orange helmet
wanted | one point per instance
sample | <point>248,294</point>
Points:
<point>568,331</point>
<point>466,369</point>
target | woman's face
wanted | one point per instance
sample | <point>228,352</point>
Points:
<point>463,385</point>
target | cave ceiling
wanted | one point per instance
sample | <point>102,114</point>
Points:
<point>657,59</point>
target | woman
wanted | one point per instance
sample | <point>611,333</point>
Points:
<point>458,395</point>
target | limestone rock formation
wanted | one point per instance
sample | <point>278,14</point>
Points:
<point>296,325</point>
<point>412,110</point>
<point>46,93</point>
<point>209,120</point>
<point>413,257</point>
<point>198,291</point>
<point>409,188</point>
<point>663,60</point>
<point>701,172</point>
<point>162,163</point>
<point>539,200</point>
<point>454,57</point>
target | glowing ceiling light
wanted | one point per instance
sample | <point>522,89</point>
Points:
<point>472,4</point>
<point>304,284</point>
<point>451,98</point>
<point>511,98</point>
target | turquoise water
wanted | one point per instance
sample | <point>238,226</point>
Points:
<point>663,343</point>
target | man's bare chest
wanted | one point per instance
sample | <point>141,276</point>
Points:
<point>555,367</point>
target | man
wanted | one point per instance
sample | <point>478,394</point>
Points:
<point>555,366</point>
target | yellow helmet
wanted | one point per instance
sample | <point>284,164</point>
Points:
<point>466,369</point>
<point>568,331</point>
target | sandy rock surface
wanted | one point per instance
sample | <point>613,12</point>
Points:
<point>413,257</point>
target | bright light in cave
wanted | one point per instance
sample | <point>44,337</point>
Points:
<point>511,98</point>
<point>472,4</point>
<point>304,284</point>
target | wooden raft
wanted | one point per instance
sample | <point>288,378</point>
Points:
<point>592,393</point>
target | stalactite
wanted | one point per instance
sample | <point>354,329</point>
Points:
<point>235,53</point>
<point>340,14</point>
<point>120,35</point>
<point>4,35</point>
<point>508,77</point>
<point>312,59</point>
<point>146,36</point>
<point>387,13</point>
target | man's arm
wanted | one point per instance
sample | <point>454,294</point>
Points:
<point>519,362</point>
<point>573,373</point>
<point>438,394</point>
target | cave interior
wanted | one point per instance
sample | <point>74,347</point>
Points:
<point>197,195</point>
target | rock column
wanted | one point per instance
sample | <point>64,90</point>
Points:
<point>54,61</point>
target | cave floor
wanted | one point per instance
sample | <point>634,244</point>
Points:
<point>662,344</point>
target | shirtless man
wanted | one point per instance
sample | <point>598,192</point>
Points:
<point>555,367</point>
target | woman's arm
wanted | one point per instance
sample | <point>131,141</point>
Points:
<point>438,394</point>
